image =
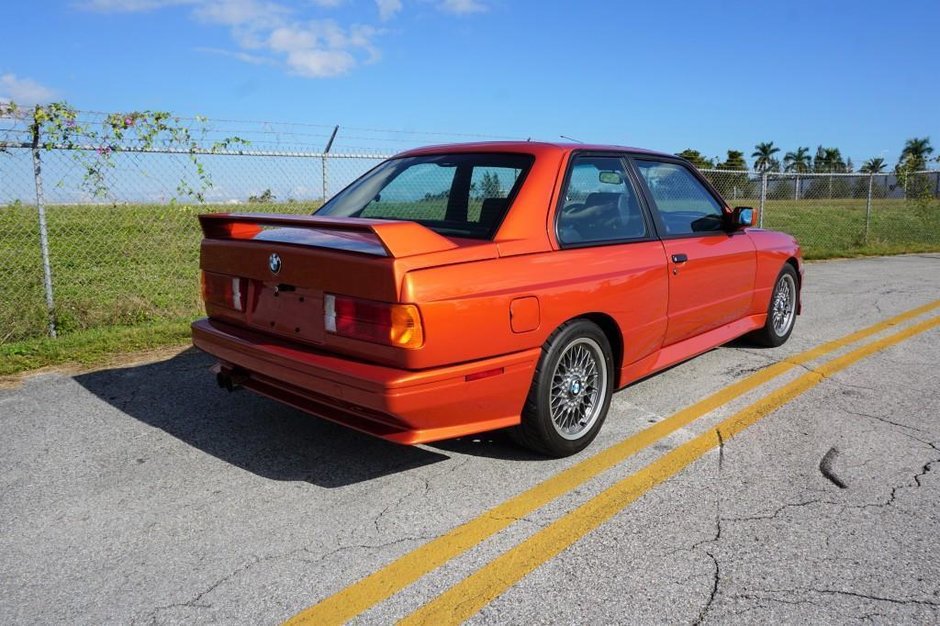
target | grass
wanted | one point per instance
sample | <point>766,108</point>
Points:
<point>126,277</point>
<point>836,228</point>
<point>90,347</point>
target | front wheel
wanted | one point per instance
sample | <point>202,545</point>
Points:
<point>570,392</point>
<point>781,313</point>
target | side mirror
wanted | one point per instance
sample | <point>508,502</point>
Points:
<point>742,217</point>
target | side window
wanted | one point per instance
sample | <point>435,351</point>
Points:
<point>489,192</point>
<point>419,192</point>
<point>599,203</point>
<point>683,203</point>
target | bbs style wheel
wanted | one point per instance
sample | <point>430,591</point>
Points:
<point>781,313</point>
<point>570,392</point>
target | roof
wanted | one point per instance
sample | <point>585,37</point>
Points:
<point>528,147</point>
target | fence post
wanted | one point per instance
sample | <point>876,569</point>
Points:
<point>763,199</point>
<point>326,155</point>
<point>871,182</point>
<point>43,231</point>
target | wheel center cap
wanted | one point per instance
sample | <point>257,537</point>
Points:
<point>575,388</point>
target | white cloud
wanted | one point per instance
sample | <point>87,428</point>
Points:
<point>322,48</point>
<point>388,8</point>
<point>289,38</point>
<point>281,33</point>
<point>271,32</point>
<point>320,63</point>
<point>250,13</point>
<point>23,90</point>
<point>463,7</point>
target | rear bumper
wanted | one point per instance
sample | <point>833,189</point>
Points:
<point>398,405</point>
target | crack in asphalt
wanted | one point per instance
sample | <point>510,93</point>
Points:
<point>152,616</point>
<point>361,546</point>
<point>193,603</point>
<point>925,469</point>
<point>856,594</point>
<point>797,599</point>
<point>759,599</point>
<point>394,505</point>
<point>712,552</point>
<point>883,420</point>
<point>716,571</point>
<point>424,487</point>
<point>778,511</point>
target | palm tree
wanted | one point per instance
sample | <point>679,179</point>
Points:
<point>828,160</point>
<point>913,158</point>
<point>834,160</point>
<point>916,151</point>
<point>873,166</point>
<point>798,162</point>
<point>764,156</point>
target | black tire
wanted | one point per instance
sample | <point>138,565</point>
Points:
<point>781,312</point>
<point>581,399</point>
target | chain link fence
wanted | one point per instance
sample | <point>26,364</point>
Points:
<point>98,212</point>
<point>841,214</point>
<point>103,232</point>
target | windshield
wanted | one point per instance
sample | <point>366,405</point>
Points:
<point>461,195</point>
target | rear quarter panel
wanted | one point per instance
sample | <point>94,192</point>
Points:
<point>466,308</point>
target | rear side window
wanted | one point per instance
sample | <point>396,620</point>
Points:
<point>600,204</point>
<point>461,195</point>
<point>418,192</point>
<point>683,204</point>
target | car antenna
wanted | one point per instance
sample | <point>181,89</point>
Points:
<point>570,138</point>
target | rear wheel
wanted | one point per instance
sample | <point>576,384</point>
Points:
<point>781,313</point>
<point>570,393</point>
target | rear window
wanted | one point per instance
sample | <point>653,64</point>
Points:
<point>460,195</point>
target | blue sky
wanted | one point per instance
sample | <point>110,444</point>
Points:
<point>858,75</point>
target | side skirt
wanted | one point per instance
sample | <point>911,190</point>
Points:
<point>689,348</point>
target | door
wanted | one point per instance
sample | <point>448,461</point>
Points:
<point>711,270</point>
<point>610,242</point>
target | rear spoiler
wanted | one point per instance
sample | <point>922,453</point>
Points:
<point>398,238</point>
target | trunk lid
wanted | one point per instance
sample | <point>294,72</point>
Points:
<point>283,265</point>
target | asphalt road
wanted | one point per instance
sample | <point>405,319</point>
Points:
<point>144,494</point>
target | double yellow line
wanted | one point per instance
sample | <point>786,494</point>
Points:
<point>479,589</point>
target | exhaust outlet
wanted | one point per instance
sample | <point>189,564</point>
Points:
<point>230,380</point>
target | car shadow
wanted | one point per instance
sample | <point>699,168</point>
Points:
<point>180,397</point>
<point>744,342</point>
<point>492,445</point>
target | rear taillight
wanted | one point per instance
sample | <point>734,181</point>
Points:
<point>396,325</point>
<point>222,290</point>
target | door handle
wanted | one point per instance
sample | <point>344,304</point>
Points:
<point>680,258</point>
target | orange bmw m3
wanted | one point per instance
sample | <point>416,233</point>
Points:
<point>463,288</point>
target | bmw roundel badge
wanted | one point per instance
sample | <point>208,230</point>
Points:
<point>274,263</point>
